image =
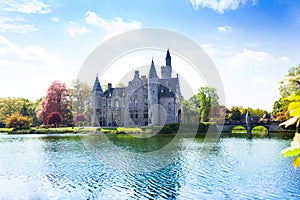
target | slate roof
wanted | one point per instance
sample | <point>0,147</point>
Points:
<point>97,86</point>
<point>167,87</point>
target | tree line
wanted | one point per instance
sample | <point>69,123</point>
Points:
<point>72,106</point>
<point>61,105</point>
<point>204,107</point>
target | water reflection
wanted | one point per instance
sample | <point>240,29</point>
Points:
<point>63,167</point>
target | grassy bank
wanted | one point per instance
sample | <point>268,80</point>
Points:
<point>74,130</point>
<point>202,130</point>
<point>50,130</point>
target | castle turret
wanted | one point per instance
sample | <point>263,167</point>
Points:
<point>152,72</point>
<point>97,98</point>
<point>168,59</point>
<point>166,71</point>
<point>153,118</point>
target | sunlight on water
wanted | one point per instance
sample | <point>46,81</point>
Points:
<point>73,167</point>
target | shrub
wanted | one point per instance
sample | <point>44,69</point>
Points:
<point>18,121</point>
<point>54,118</point>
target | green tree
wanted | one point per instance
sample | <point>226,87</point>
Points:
<point>207,98</point>
<point>290,83</point>
<point>294,112</point>
<point>191,111</point>
<point>18,121</point>
<point>291,98</point>
<point>203,107</point>
<point>10,105</point>
<point>80,96</point>
<point>235,114</point>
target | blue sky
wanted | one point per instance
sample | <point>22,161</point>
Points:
<point>252,42</point>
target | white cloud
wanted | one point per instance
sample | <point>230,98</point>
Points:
<point>17,24</point>
<point>28,70</point>
<point>220,5</point>
<point>111,28</point>
<point>26,6</point>
<point>262,80</point>
<point>248,58</point>
<point>284,59</point>
<point>11,53</point>
<point>55,19</point>
<point>209,49</point>
<point>225,29</point>
<point>74,30</point>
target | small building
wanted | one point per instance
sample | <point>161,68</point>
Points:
<point>152,101</point>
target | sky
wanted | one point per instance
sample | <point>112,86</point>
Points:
<point>252,43</point>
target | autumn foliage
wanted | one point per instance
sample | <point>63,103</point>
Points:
<point>80,118</point>
<point>56,100</point>
<point>18,121</point>
<point>55,118</point>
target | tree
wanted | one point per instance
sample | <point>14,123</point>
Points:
<point>18,121</point>
<point>23,106</point>
<point>207,98</point>
<point>203,107</point>
<point>290,84</point>
<point>80,96</point>
<point>235,114</point>
<point>120,85</point>
<point>293,109</point>
<point>80,118</point>
<point>56,100</point>
<point>190,111</point>
<point>55,118</point>
<point>218,113</point>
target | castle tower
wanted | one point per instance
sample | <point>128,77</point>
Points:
<point>168,59</point>
<point>97,102</point>
<point>153,118</point>
<point>166,71</point>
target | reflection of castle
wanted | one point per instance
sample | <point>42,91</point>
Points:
<point>145,101</point>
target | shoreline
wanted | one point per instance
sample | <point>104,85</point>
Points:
<point>140,131</point>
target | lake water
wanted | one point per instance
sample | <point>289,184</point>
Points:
<point>158,167</point>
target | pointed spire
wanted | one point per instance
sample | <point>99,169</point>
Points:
<point>168,58</point>
<point>152,72</point>
<point>97,85</point>
<point>168,54</point>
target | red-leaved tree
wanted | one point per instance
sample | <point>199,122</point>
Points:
<point>56,100</point>
<point>54,118</point>
<point>80,118</point>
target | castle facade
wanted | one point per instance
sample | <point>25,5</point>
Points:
<point>146,101</point>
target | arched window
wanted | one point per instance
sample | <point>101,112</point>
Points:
<point>130,103</point>
<point>117,103</point>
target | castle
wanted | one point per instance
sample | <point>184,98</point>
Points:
<point>145,101</point>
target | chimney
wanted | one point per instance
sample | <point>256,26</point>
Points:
<point>109,86</point>
<point>136,74</point>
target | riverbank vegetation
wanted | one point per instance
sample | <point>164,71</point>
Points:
<point>288,107</point>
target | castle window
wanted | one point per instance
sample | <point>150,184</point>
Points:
<point>135,102</point>
<point>130,103</point>
<point>145,100</point>
<point>117,104</point>
<point>109,103</point>
<point>169,107</point>
<point>161,90</point>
